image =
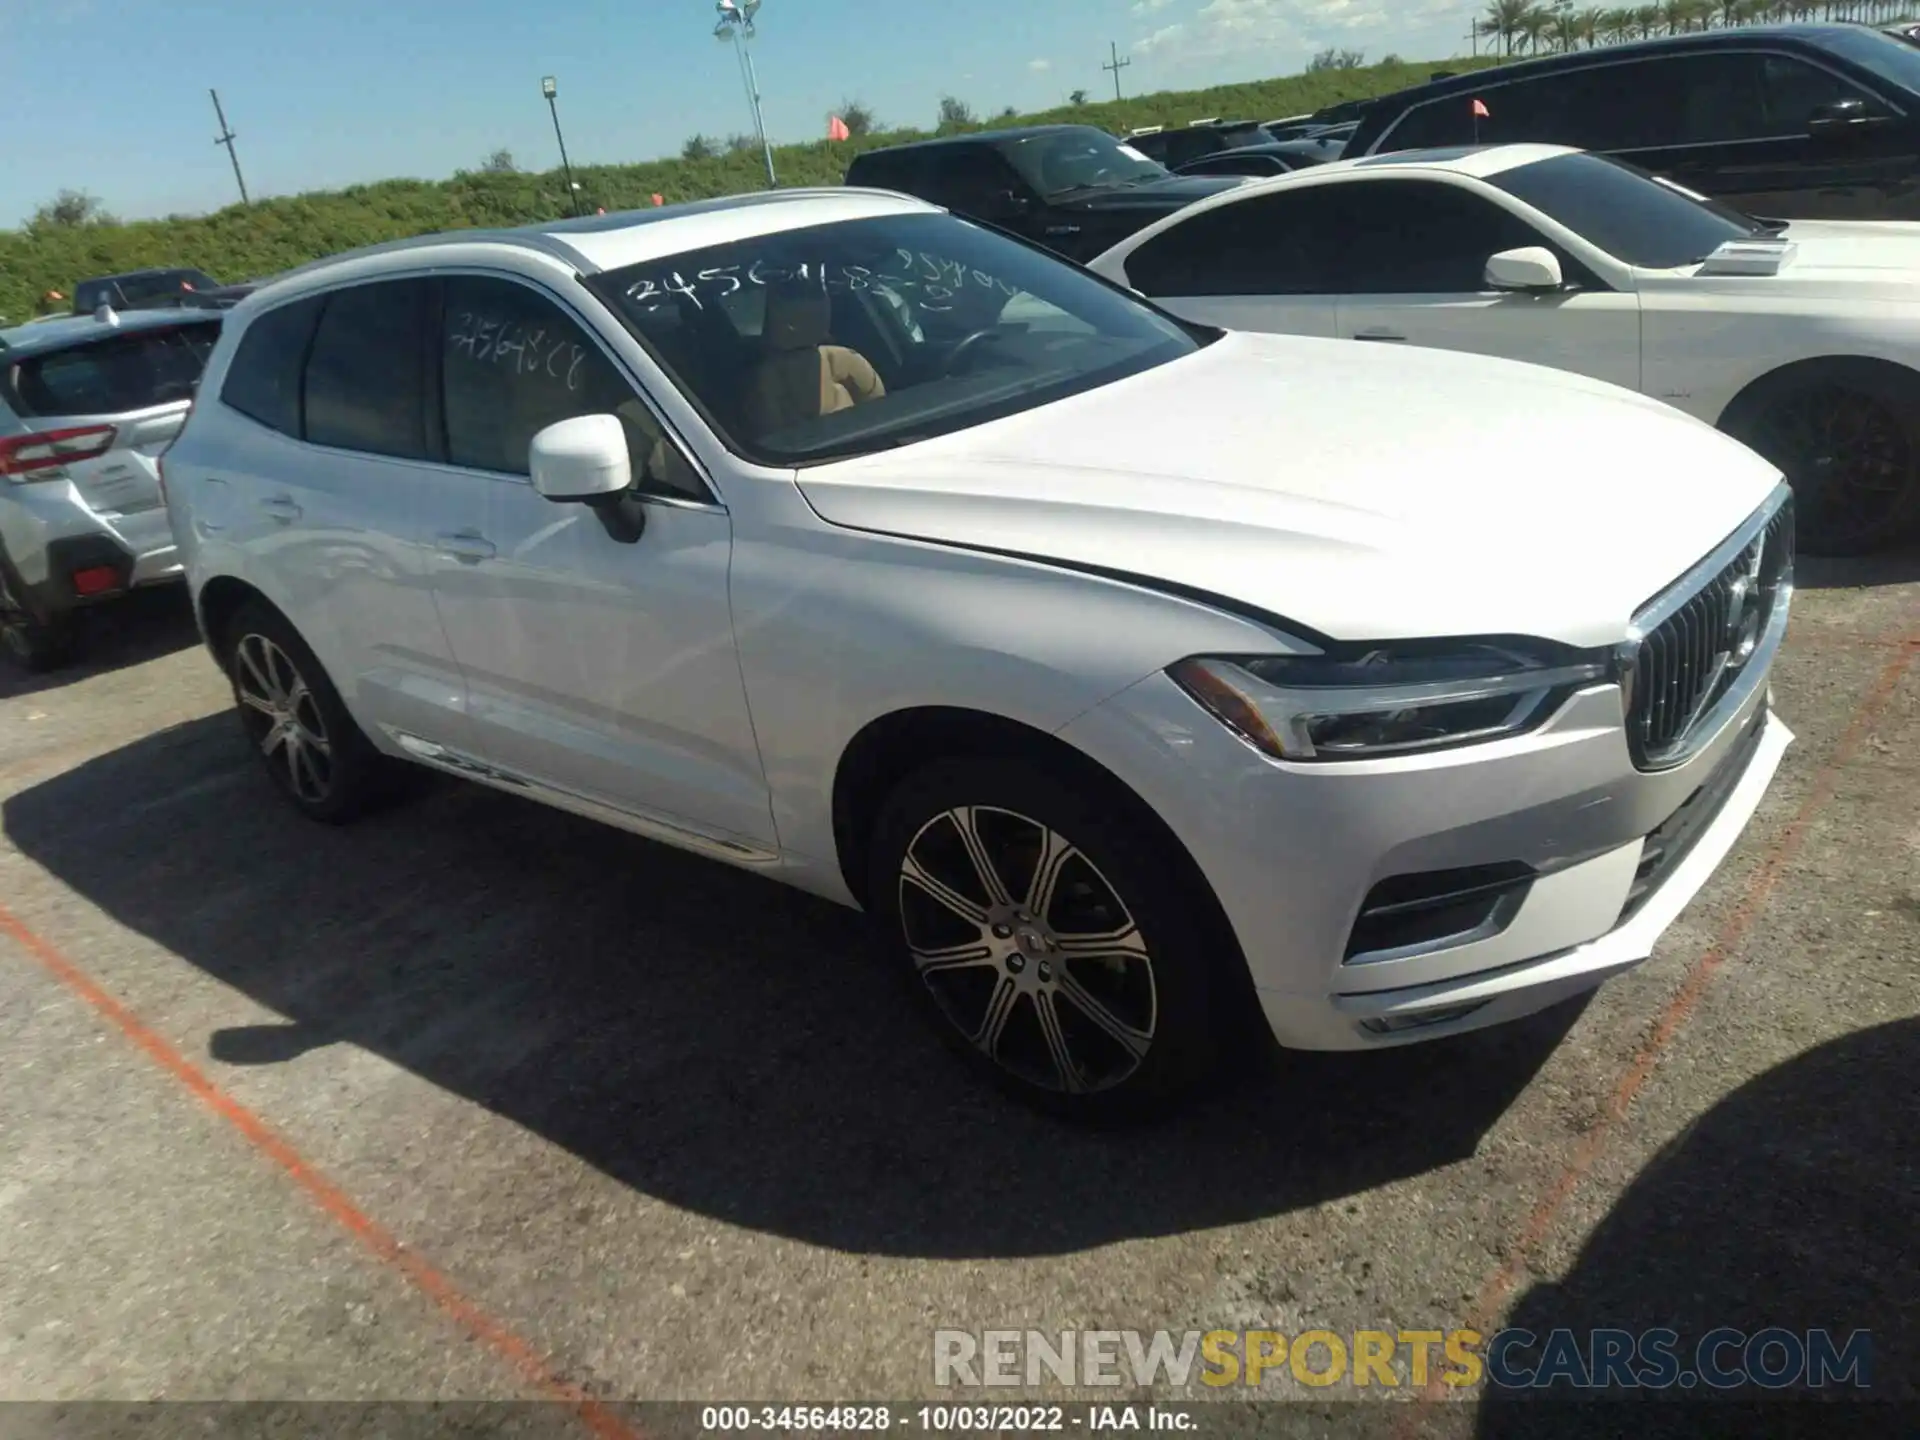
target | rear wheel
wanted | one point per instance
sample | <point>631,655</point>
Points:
<point>1048,935</point>
<point>313,752</point>
<point>33,642</point>
<point>37,646</point>
<point>1846,433</point>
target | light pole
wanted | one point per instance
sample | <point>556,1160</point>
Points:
<point>550,88</point>
<point>736,25</point>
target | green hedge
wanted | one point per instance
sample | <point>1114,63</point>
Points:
<point>242,242</point>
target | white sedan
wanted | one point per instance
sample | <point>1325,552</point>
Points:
<point>1802,339</point>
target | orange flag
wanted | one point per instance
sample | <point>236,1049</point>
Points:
<point>658,198</point>
<point>837,129</point>
<point>1480,111</point>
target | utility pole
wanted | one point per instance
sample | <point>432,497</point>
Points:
<point>226,137</point>
<point>1116,65</point>
<point>550,88</point>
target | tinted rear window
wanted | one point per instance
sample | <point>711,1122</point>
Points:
<point>263,381</point>
<point>111,377</point>
<point>364,384</point>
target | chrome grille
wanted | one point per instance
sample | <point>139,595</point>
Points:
<point>1699,639</point>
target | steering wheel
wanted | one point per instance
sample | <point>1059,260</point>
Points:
<point>969,343</point>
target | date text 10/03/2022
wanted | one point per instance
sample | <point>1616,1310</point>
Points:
<point>947,1419</point>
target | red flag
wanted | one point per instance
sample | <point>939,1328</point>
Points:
<point>1480,111</point>
<point>601,211</point>
<point>837,129</point>
<point>658,199</point>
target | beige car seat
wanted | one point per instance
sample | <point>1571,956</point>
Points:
<point>801,376</point>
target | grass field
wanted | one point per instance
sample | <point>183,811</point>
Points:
<point>241,242</point>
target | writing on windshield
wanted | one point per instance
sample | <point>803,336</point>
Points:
<point>932,282</point>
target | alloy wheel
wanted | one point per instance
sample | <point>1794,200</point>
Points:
<point>1028,949</point>
<point>283,716</point>
<point>1848,452</point>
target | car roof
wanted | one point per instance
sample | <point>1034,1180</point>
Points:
<point>983,137</point>
<point>1808,36</point>
<point>49,335</point>
<point>141,274</point>
<point>593,243</point>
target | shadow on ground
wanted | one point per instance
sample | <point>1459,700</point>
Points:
<point>1792,1204</point>
<point>1898,566</point>
<point>706,1036</point>
<point>143,626</point>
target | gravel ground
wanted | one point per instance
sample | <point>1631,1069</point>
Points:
<point>477,1101</point>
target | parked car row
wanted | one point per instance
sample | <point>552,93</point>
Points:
<point>1137,651</point>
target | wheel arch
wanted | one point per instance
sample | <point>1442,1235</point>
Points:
<point>894,746</point>
<point>218,602</point>
<point>1808,368</point>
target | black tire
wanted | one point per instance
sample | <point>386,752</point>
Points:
<point>1152,1038</point>
<point>35,645</point>
<point>340,776</point>
<point>1846,433</point>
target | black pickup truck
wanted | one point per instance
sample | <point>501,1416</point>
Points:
<point>1072,188</point>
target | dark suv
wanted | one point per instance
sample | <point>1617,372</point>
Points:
<point>1072,188</point>
<point>1795,121</point>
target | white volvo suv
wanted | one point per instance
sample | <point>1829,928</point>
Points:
<point>1127,672</point>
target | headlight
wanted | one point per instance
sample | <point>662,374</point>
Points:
<point>1387,701</point>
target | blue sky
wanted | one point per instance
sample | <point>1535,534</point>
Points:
<point>111,95</point>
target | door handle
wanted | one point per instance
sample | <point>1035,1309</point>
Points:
<point>466,545</point>
<point>1389,337</point>
<point>282,508</point>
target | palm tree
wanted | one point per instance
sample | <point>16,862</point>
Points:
<point>1646,20</point>
<point>1675,14</point>
<point>1503,19</point>
<point>1588,24</point>
<point>1617,25</point>
<point>1565,26</point>
<point>1534,26</point>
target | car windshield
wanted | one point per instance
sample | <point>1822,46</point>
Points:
<point>1058,162</point>
<point>1878,53</point>
<point>838,340</point>
<point>1626,212</point>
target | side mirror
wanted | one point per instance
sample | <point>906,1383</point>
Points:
<point>1531,267</point>
<point>1839,115</point>
<point>584,461</point>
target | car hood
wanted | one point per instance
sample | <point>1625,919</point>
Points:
<point>1160,196</point>
<point>1357,492</point>
<point>1842,259</point>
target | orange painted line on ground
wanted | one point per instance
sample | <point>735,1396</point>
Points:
<point>1540,1220</point>
<point>331,1199</point>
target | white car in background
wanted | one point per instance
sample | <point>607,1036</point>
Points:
<point>1801,339</point>
<point>836,538</point>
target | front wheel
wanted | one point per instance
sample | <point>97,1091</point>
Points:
<point>1846,434</point>
<point>1049,935</point>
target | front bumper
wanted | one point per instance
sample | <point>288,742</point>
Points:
<point>1294,851</point>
